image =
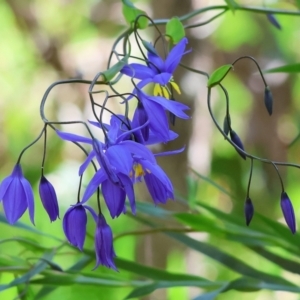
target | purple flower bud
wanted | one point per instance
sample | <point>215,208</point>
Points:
<point>249,211</point>
<point>105,253</point>
<point>49,199</point>
<point>288,211</point>
<point>273,21</point>
<point>237,141</point>
<point>74,225</point>
<point>17,196</point>
<point>268,100</point>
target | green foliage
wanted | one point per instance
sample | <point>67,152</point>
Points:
<point>218,75</point>
<point>231,4</point>
<point>134,16</point>
<point>292,68</point>
<point>175,30</point>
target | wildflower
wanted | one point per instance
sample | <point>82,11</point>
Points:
<point>49,199</point>
<point>156,180</point>
<point>16,194</point>
<point>249,211</point>
<point>105,253</point>
<point>155,109</point>
<point>158,71</point>
<point>237,141</point>
<point>74,225</point>
<point>288,211</point>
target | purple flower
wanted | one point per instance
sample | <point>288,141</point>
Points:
<point>288,211</point>
<point>105,253</point>
<point>74,224</point>
<point>158,71</point>
<point>17,196</point>
<point>49,199</point>
<point>237,141</point>
<point>155,108</point>
<point>249,211</point>
<point>157,182</point>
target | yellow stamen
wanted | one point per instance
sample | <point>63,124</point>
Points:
<point>165,92</point>
<point>175,87</point>
<point>138,169</point>
<point>157,90</point>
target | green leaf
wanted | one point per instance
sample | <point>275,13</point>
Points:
<point>175,30</point>
<point>230,261</point>
<point>293,68</point>
<point>231,4</point>
<point>38,268</point>
<point>131,13</point>
<point>218,75</point>
<point>114,70</point>
<point>21,225</point>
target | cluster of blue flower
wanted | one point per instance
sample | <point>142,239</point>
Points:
<point>123,158</point>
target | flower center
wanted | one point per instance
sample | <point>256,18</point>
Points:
<point>164,91</point>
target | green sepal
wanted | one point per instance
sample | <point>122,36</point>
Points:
<point>110,73</point>
<point>131,13</point>
<point>218,75</point>
<point>175,30</point>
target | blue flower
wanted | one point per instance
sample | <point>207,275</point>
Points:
<point>158,71</point>
<point>157,182</point>
<point>155,108</point>
<point>74,224</point>
<point>105,253</point>
<point>49,199</point>
<point>288,211</point>
<point>17,196</point>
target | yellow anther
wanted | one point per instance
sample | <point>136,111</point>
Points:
<point>165,92</point>
<point>138,170</point>
<point>157,90</point>
<point>175,87</point>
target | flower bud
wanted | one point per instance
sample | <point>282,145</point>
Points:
<point>249,211</point>
<point>49,199</point>
<point>237,141</point>
<point>288,211</point>
<point>268,100</point>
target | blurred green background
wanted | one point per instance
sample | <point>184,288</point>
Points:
<point>42,42</point>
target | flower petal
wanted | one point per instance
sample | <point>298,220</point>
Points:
<point>97,179</point>
<point>175,56</point>
<point>85,164</point>
<point>174,107</point>
<point>73,137</point>
<point>162,79</point>
<point>114,197</point>
<point>137,71</point>
<point>74,225</point>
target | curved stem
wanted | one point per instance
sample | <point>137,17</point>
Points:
<point>264,160</point>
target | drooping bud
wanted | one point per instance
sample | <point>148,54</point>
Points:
<point>49,199</point>
<point>268,100</point>
<point>273,21</point>
<point>288,211</point>
<point>249,210</point>
<point>226,124</point>
<point>237,141</point>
